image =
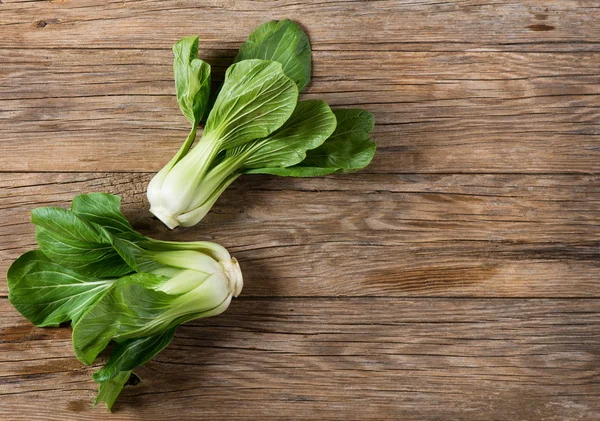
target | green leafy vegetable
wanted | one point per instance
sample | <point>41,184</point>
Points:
<point>257,126</point>
<point>192,85</point>
<point>309,125</point>
<point>109,390</point>
<point>104,210</point>
<point>347,149</point>
<point>114,284</point>
<point>256,99</point>
<point>135,307</point>
<point>282,41</point>
<point>192,79</point>
<point>47,293</point>
<point>79,245</point>
<point>132,353</point>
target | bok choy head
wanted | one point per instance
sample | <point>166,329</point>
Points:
<point>256,125</point>
<point>114,284</point>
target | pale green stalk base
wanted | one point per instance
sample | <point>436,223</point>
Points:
<point>167,219</point>
<point>234,274</point>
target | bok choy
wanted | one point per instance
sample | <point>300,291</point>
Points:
<point>256,124</point>
<point>113,284</point>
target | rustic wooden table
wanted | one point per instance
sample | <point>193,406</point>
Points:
<point>456,278</point>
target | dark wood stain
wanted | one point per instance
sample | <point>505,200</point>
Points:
<point>78,406</point>
<point>62,365</point>
<point>540,27</point>
<point>21,333</point>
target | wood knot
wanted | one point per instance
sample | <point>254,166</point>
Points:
<point>44,23</point>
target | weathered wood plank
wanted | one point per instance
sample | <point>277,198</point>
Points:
<point>395,293</point>
<point>114,110</point>
<point>415,25</point>
<point>332,359</point>
<point>356,235</point>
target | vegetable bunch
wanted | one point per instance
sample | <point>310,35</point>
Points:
<point>256,124</point>
<point>114,284</point>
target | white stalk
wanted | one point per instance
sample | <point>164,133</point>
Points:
<point>189,269</point>
<point>172,190</point>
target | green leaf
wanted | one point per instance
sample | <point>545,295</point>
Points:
<point>128,303</point>
<point>310,124</point>
<point>105,210</point>
<point>135,308</point>
<point>48,294</point>
<point>132,353</point>
<point>282,41</point>
<point>109,391</point>
<point>347,149</point>
<point>82,246</point>
<point>192,79</point>
<point>256,99</point>
<point>125,357</point>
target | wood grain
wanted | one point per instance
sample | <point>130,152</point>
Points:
<point>115,110</point>
<point>455,278</point>
<point>413,25</point>
<point>410,235</point>
<point>343,359</point>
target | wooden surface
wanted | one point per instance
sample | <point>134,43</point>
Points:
<point>456,278</point>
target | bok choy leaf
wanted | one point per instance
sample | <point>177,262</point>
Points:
<point>116,285</point>
<point>282,41</point>
<point>257,126</point>
<point>347,149</point>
